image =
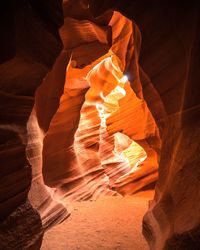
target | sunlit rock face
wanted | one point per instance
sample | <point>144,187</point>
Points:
<point>51,211</point>
<point>170,57</point>
<point>75,161</point>
<point>97,141</point>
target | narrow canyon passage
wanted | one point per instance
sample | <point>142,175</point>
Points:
<point>93,139</point>
<point>91,132</point>
<point>99,105</point>
<point>112,223</point>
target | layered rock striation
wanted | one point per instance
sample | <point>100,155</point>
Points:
<point>25,60</point>
<point>82,157</point>
<point>87,131</point>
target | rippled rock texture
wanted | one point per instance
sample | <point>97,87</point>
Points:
<point>26,28</point>
<point>170,56</point>
<point>88,130</point>
<point>98,140</point>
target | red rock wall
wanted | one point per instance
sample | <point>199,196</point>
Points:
<point>29,46</point>
<point>170,57</point>
<point>76,149</point>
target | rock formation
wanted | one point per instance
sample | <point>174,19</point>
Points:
<point>170,53</point>
<point>26,29</point>
<point>74,127</point>
<point>79,152</point>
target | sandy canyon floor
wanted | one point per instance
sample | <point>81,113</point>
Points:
<point>111,223</point>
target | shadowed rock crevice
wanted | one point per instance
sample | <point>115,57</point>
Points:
<point>34,141</point>
<point>28,51</point>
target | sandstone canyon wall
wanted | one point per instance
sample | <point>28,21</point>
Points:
<point>27,27</point>
<point>170,56</point>
<point>78,158</point>
<point>34,126</point>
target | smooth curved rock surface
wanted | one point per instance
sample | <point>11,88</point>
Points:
<point>24,61</point>
<point>169,56</point>
<point>78,153</point>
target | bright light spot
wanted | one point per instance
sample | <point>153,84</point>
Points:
<point>100,108</point>
<point>102,96</point>
<point>121,90</point>
<point>124,79</point>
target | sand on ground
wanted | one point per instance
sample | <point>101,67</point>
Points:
<point>110,223</point>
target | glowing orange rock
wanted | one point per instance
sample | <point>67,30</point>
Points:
<point>91,146</point>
